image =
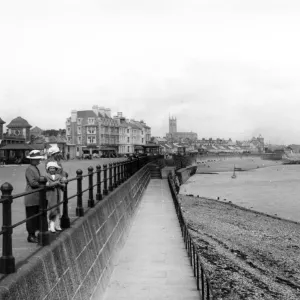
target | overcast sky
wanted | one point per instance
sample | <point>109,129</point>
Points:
<point>223,68</point>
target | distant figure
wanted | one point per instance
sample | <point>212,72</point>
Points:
<point>68,156</point>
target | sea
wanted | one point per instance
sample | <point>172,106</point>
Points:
<point>274,190</point>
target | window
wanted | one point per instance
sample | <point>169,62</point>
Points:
<point>142,132</point>
<point>69,130</point>
<point>91,130</point>
<point>69,139</point>
<point>79,129</point>
<point>142,140</point>
<point>128,149</point>
<point>127,130</point>
<point>128,140</point>
<point>79,121</point>
<point>79,139</point>
<point>91,121</point>
<point>91,140</point>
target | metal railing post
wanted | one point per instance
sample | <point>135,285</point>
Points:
<point>91,202</point>
<point>44,234</point>
<point>119,173</point>
<point>110,187</point>
<point>65,220</point>
<point>79,208</point>
<point>7,261</point>
<point>99,194</point>
<point>105,190</point>
<point>115,175</point>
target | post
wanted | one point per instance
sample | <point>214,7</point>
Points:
<point>122,171</point>
<point>91,202</point>
<point>115,175</point>
<point>119,181</point>
<point>110,187</point>
<point>65,220</point>
<point>105,190</point>
<point>79,208</point>
<point>98,195</point>
<point>44,234</point>
<point>7,261</point>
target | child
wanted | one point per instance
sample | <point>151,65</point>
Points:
<point>55,181</point>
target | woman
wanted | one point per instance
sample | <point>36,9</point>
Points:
<point>54,155</point>
<point>31,201</point>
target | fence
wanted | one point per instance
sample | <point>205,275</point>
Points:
<point>203,283</point>
<point>107,179</point>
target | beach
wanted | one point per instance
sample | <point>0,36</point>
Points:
<point>246,227</point>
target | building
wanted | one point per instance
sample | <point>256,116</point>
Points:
<point>176,136</point>
<point>95,131</point>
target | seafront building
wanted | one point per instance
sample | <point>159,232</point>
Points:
<point>95,131</point>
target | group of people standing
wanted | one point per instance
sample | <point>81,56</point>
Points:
<point>56,178</point>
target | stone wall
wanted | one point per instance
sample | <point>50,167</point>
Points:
<point>80,261</point>
<point>184,161</point>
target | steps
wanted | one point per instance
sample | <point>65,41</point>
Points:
<point>155,171</point>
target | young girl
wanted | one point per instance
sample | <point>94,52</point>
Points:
<point>55,182</point>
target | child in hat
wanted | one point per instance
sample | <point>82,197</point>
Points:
<point>55,182</point>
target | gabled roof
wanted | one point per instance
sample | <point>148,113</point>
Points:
<point>1,121</point>
<point>18,123</point>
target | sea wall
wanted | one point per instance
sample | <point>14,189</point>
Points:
<point>80,261</point>
<point>185,173</point>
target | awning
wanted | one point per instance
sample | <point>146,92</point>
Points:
<point>17,147</point>
<point>138,147</point>
<point>107,149</point>
<point>151,146</point>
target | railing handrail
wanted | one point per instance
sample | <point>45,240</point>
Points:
<point>191,247</point>
<point>118,173</point>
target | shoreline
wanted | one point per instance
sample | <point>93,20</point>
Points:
<point>248,254</point>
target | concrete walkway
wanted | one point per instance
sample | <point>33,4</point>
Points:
<point>153,263</point>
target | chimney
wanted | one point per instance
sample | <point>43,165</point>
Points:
<point>95,109</point>
<point>101,110</point>
<point>108,112</point>
<point>74,116</point>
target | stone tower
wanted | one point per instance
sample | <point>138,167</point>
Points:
<point>172,125</point>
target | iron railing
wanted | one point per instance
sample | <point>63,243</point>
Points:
<point>202,279</point>
<point>110,177</point>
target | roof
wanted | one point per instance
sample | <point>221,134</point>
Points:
<point>86,114</point>
<point>18,123</point>
<point>37,129</point>
<point>17,147</point>
<point>38,146</point>
<point>1,121</point>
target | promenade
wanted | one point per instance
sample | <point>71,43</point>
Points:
<point>153,263</point>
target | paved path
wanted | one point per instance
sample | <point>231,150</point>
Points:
<point>153,263</point>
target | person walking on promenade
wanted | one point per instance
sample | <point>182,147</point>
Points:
<point>31,201</point>
<point>55,184</point>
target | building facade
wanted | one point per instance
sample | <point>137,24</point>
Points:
<point>96,131</point>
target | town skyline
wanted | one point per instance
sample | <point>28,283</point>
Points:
<point>224,69</point>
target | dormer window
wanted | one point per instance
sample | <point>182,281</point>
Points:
<point>91,120</point>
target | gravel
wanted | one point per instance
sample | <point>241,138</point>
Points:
<point>247,254</point>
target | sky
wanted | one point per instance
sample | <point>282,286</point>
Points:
<point>227,69</point>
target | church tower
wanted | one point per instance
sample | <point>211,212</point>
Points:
<point>172,125</point>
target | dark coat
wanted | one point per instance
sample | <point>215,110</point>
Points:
<point>32,176</point>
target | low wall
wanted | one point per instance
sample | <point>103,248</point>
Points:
<point>185,173</point>
<point>80,261</point>
<point>184,161</point>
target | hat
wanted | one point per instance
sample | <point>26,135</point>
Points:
<point>35,154</point>
<point>52,164</point>
<point>53,150</point>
